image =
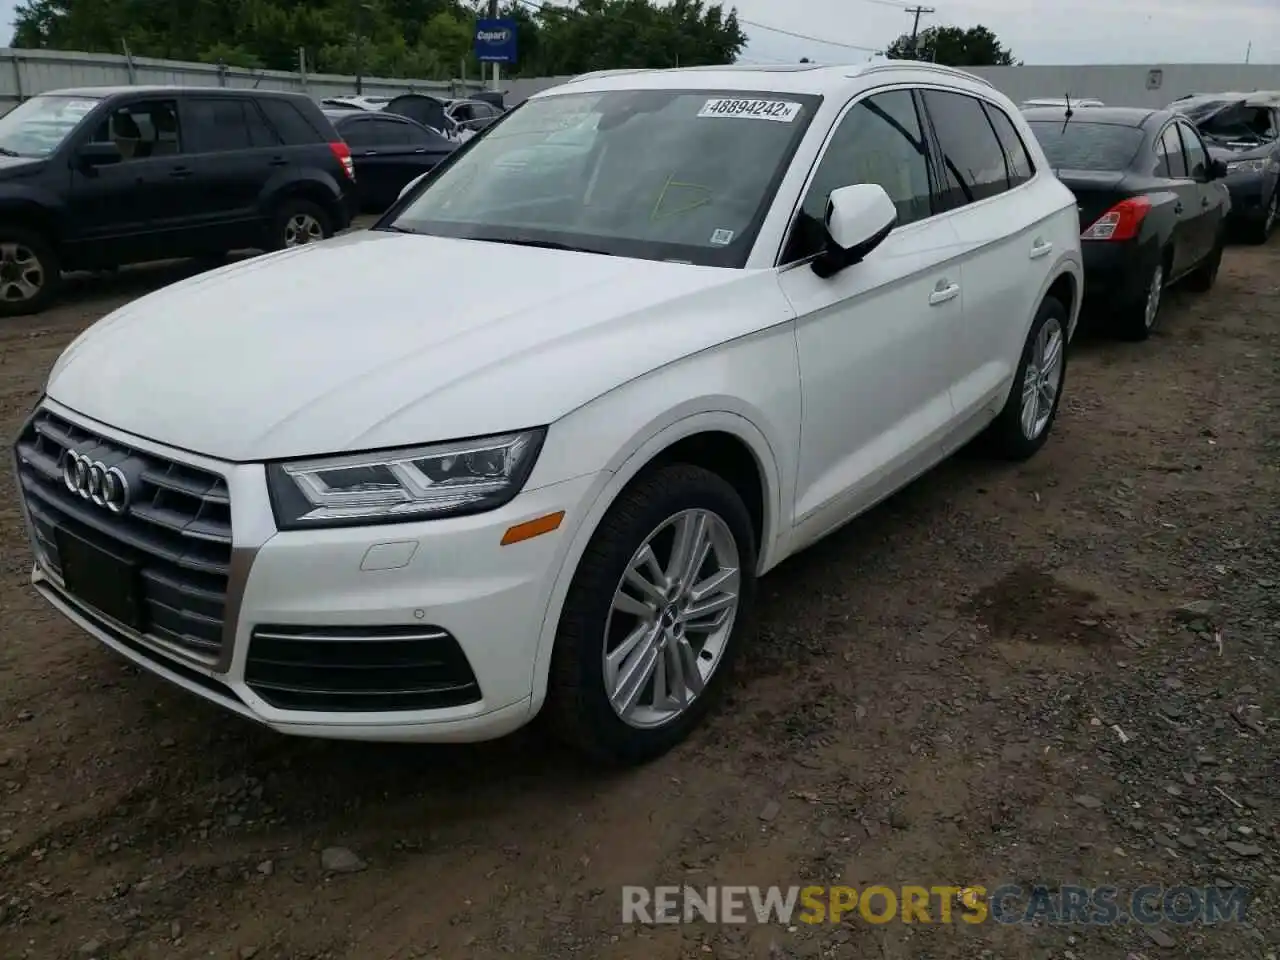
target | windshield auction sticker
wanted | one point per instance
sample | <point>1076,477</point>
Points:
<point>781,111</point>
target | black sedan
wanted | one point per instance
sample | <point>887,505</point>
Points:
<point>388,151</point>
<point>1153,205</point>
<point>1243,130</point>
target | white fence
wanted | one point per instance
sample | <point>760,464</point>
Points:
<point>24,73</point>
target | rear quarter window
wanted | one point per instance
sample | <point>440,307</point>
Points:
<point>1077,145</point>
<point>291,123</point>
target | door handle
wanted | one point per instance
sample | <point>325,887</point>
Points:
<point>1204,201</point>
<point>180,172</point>
<point>1040,248</point>
<point>944,292</point>
<point>424,150</point>
<point>1177,207</point>
<point>370,153</point>
<point>277,162</point>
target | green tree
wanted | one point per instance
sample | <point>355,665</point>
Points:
<point>428,39</point>
<point>954,47</point>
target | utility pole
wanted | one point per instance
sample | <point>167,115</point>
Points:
<point>915,26</point>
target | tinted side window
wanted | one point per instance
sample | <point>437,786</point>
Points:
<point>392,132</point>
<point>1017,160</point>
<point>1170,148</point>
<point>260,133</point>
<point>360,133</point>
<point>880,140</point>
<point>216,124</point>
<point>973,160</point>
<point>289,122</point>
<point>1197,156</point>
<point>417,136</point>
<point>147,128</point>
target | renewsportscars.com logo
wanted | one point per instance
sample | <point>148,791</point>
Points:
<point>1006,904</point>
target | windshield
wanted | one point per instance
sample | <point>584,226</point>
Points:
<point>1240,123</point>
<point>37,127</point>
<point>1076,145</point>
<point>653,174</point>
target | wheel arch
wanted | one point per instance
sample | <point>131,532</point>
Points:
<point>723,441</point>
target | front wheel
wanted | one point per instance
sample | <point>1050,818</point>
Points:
<point>29,272</point>
<point>1023,426</point>
<point>1260,231</point>
<point>656,612</point>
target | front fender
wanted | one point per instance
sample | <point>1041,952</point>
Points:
<point>636,423</point>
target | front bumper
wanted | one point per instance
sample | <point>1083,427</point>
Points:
<point>422,631</point>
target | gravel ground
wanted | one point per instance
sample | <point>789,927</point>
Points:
<point>1062,672</point>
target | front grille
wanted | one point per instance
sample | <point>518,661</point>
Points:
<point>176,529</point>
<point>372,669</point>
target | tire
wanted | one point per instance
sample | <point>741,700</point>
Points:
<point>1008,438</point>
<point>1202,279</point>
<point>296,218</point>
<point>1260,231</point>
<point>1135,321</point>
<point>579,709</point>
<point>30,272</point>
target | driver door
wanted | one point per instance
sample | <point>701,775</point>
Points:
<point>135,204</point>
<point>874,340</point>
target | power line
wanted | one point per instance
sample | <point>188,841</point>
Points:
<point>805,36</point>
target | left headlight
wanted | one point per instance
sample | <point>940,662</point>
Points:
<point>442,480</point>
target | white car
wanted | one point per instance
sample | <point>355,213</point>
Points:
<point>537,458</point>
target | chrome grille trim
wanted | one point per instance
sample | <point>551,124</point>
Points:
<point>178,525</point>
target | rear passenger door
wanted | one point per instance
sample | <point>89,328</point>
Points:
<point>1172,163</point>
<point>1005,227</point>
<point>232,154</point>
<point>1206,210</point>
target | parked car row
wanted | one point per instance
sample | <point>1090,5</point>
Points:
<point>357,511</point>
<point>99,177</point>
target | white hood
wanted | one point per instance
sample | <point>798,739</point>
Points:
<point>380,339</point>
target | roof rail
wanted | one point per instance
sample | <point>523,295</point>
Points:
<point>926,66</point>
<point>594,74</point>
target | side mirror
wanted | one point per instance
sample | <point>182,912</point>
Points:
<point>1217,169</point>
<point>98,154</point>
<point>858,219</point>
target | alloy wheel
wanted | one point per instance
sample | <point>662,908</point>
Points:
<point>672,615</point>
<point>1043,378</point>
<point>302,228</point>
<point>21,273</point>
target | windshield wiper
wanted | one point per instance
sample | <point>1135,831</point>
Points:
<point>6,152</point>
<point>544,244</point>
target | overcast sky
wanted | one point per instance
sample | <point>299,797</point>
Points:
<point>1038,31</point>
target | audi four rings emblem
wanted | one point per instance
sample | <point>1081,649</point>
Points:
<point>95,481</point>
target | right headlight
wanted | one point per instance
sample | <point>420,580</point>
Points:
<point>389,486</point>
<point>1247,166</point>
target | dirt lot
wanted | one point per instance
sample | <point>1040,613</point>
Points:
<point>1062,672</point>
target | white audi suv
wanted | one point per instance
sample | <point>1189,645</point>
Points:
<point>527,444</point>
